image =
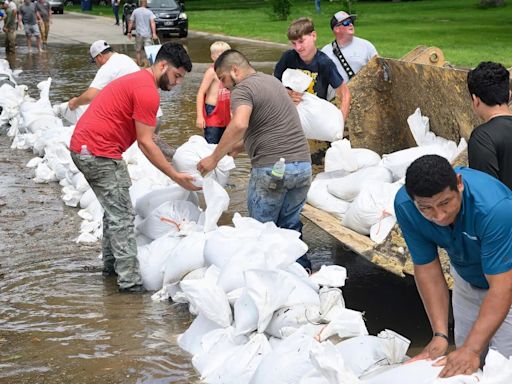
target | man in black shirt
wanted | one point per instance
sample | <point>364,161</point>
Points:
<point>490,144</point>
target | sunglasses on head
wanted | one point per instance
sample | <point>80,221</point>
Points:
<point>345,23</point>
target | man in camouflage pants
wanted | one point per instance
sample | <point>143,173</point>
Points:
<point>125,111</point>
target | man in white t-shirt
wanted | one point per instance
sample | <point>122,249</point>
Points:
<point>145,25</point>
<point>112,65</point>
<point>356,52</point>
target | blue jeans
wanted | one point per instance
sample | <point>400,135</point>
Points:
<point>212,135</point>
<point>115,8</point>
<point>281,204</point>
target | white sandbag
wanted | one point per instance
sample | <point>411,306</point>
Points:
<point>80,183</point>
<point>373,203</point>
<point>331,365</point>
<point>87,198</point>
<point>344,323</point>
<point>282,247</point>
<point>341,156</point>
<point>34,162</point>
<point>417,372</point>
<point>320,119</point>
<point>190,153</point>
<point>287,319</point>
<point>190,340</point>
<point>380,230</point>
<point>209,299</point>
<point>152,200</point>
<point>222,243</point>
<point>288,362</point>
<point>217,201</point>
<point>397,162</point>
<point>497,368</point>
<point>239,366</point>
<point>268,291</point>
<point>364,354</point>
<point>44,174</point>
<point>330,298</point>
<point>330,276</point>
<point>232,276</point>
<point>169,217</point>
<point>296,80</point>
<point>62,110</point>
<point>319,197</point>
<point>186,257</point>
<point>71,196</point>
<point>348,187</point>
<point>245,314</point>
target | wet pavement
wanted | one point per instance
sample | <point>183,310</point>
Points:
<point>60,320</point>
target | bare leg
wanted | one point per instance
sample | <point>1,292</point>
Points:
<point>29,42</point>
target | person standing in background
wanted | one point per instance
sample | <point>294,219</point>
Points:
<point>115,9</point>
<point>212,101</point>
<point>27,16</point>
<point>144,21</point>
<point>349,52</point>
<point>44,11</point>
<point>490,144</point>
<point>9,28</point>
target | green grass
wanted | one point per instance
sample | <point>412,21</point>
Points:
<point>465,33</point>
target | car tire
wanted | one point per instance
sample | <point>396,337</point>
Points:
<point>183,33</point>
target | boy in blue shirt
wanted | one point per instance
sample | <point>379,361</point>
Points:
<point>469,214</point>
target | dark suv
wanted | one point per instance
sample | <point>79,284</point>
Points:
<point>170,16</point>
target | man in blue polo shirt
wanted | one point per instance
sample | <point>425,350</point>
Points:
<point>469,214</point>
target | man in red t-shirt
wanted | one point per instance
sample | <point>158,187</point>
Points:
<point>125,111</point>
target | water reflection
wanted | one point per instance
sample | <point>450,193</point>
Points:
<point>70,322</point>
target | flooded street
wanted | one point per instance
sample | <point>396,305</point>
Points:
<point>62,322</point>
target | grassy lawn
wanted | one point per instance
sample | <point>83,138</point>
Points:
<point>465,33</point>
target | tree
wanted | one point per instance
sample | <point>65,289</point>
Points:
<point>281,8</point>
<point>492,3</point>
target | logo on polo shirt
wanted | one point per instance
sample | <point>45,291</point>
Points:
<point>474,238</point>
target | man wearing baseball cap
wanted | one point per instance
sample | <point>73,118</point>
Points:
<point>349,53</point>
<point>111,65</point>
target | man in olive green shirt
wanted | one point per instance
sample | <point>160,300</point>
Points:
<point>9,28</point>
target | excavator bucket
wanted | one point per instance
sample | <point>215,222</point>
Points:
<point>386,91</point>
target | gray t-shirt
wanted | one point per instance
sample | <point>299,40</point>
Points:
<point>28,13</point>
<point>274,126</point>
<point>44,10</point>
<point>142,18</point>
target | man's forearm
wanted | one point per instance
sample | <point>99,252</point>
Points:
<point>229,141</point>
<point>157,158</point>
<point>434,293</point>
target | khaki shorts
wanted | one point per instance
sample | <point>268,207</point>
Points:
<point>141,42</point>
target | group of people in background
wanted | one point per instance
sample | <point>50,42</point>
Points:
<point>34,18</point>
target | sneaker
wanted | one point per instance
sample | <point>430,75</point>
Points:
<point>137,288</point>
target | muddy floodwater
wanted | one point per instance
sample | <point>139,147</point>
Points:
<point>62,322</point>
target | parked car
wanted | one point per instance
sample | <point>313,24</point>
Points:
<point>57,6</point>
<point>170,16</point>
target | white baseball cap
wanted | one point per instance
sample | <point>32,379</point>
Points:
<point>98,47</point>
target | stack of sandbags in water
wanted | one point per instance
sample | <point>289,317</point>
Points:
<point>359,187</point>
<point>36,125</point>
<point>260,317</point>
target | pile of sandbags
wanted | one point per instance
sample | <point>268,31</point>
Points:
<point>359,187</point>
